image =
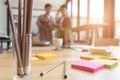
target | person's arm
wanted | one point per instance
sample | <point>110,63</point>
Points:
<point>67,22</point>
<point>52,23</point>
<point>39,24</point>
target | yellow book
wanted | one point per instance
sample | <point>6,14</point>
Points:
<point>46,56</point>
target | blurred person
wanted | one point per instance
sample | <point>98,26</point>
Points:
<point>64,26</point>
<point>45,24</point>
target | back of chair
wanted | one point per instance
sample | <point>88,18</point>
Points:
<point>1,49</point>
<point>106,42</point>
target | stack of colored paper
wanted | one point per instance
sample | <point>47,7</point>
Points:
<point>90,56</point>
<point>77,49</point>
<point>109,58</point>
<point>108,63</point>
<point>46,56</point>
<point>100,51</point>
<point>35,58</point>
<point>88,66</point>
<point>33,54</point>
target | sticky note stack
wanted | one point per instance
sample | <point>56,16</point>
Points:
<point>109,58</point>
<point>108,63</point>
<point>90,56</point>
<point>35,58</point>
<point>88,66</point>
<point>46,56</point>
<point>33,54</point>
<point>77,49</point>
<point>100,51</point>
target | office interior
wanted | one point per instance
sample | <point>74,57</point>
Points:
<point>95,23</point>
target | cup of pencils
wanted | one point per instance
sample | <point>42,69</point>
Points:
<point>21,39</point>
<point>22,57</point>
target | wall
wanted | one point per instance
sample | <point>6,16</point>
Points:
<point>37,5</point>
<point>3,23</point>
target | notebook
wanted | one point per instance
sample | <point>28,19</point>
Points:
<point>46,56</point>
<point>108,63</point>
<point>88,66</point>
<point>90,56</point>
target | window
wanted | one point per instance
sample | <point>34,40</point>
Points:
<point>117,19</point>
<point>83,11</point>
<point>96,11</point>
<point>92,10</point>
<point>74,12</point>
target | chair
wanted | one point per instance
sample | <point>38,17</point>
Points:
<point>1,49</point>
<point>84,34</point>
<point>106,42</point>
<point>6,39</point>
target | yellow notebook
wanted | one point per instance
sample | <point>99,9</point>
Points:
<point>46,56</point>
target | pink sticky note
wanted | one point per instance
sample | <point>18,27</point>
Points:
<point>33,54</point>
<point>88,66</point>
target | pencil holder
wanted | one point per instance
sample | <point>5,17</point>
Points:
<point>21,56</point>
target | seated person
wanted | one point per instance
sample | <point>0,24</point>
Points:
<point>64,27</point>
<point>45,24</point>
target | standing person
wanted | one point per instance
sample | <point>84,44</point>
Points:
<point>45,24</point>
<point>64,27</point>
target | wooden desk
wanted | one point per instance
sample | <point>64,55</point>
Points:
<point>57,74</point>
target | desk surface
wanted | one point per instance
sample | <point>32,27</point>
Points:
<point>57,74</point>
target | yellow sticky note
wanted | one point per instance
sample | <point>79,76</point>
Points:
<point>46,56</point>
<point>108,63</point>
<point>109,58</point>
<point>100,51</point>
<point>34,59</point>
<point>90,56</point>
<point>78,49</point>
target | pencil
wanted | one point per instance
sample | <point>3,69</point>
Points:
<point>53,67</point>
<point>16,44</point>
<point>28,32</point>
<point>29,16</point>
<point>19,20</point>
<point>19,29</point>
<point>65,70</point>
<point>24,33</point>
